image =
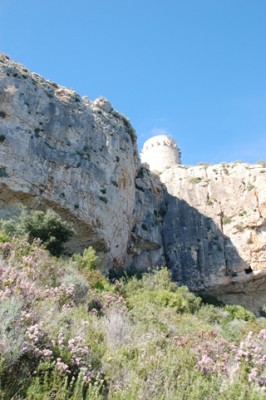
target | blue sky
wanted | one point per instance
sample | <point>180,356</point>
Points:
<point>193,69</point>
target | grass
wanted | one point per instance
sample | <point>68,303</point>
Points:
<point>262,163</point>
<point>195,180</point>
<point>250,186</point>
<point>227,220</point>
<point>67,332</point>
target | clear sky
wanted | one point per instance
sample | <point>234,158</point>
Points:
<point>193,69</point>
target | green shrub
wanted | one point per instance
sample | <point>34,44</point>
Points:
<point>87,265</point>
<point>96,280</point>
<point>149,339</point>
<point>250,186</point>
<point>158,279</point>
<point>227,220</point>
<point>182,300</point>
<point>211,313</point>
<point>87,261</point>
<point>51,384</point>
<point>4,237</point>
<point>12,226</point>
<point>239,312</point>
<point>157,288</point>
<point>129,128</point>
<point>47,226</point>
<point>11,333</point>
<point>195,180</point>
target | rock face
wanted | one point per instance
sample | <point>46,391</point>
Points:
<point>79,157</point>
<point>207,223</point>
<point>215,230</point>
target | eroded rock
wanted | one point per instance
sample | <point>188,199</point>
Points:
<point>60,150</point>
<point>215,230</point>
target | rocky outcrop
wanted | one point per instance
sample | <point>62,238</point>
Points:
<point>215,230</point>
<point>79,157</point>
<point>60,150</point>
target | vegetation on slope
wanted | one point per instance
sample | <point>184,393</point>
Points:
<point>68,333</point>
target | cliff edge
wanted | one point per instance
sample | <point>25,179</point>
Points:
<point>79,157</point>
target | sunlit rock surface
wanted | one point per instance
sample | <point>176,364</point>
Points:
<point>60,150</point>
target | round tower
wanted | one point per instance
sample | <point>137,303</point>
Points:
<point>160,152</point>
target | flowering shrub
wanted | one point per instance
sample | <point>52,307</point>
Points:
<point>67,334</point>
<point>251,355</point>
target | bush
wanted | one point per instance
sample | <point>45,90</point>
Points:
<point>87,264</point>
<point>158,279</point>
<point>195,180</point>
<point>11,333</point>
<point>239,312</point>
<point>226,220</point>
<point>12,227</point>
<point>88,261</point>
<point>262,163</point>
<point>3,237</point>
<point>47,226</point>
<point>182,300</point>
<point>157,288</point>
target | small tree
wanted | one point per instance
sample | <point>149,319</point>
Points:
<point>49,228</point>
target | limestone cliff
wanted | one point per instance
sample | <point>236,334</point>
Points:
<point>78,156</point>
<point>215,230</point>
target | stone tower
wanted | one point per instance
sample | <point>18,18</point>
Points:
<point>160,152</point>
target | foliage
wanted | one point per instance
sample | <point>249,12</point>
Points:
<point>182,300</point>
<point>158,279</point>
<point>226,220</point>
<point>11,333</point>
<point>195,180</point>
<point>262,163</point>
<point>67,333</point>
<point>129,128</point>
<point>47,226</point>
<point>87,265</point>
<point>4,237</point>
<point>239,312</point>
<point>87,261</point>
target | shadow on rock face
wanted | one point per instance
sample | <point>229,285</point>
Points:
<point>201,257</point>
